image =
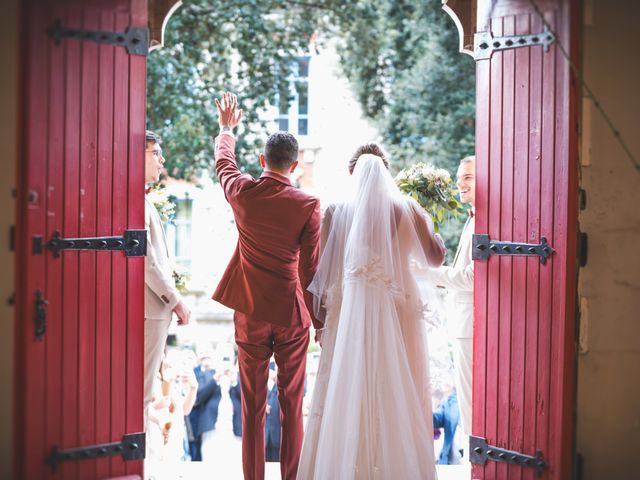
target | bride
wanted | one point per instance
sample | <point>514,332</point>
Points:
<point>370,415</point>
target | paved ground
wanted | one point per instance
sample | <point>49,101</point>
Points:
<point>228,465</point>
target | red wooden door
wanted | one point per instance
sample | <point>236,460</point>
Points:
<point>524,354</point>
<point>79,374</point>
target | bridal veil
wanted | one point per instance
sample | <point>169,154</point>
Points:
<point>371,408</point>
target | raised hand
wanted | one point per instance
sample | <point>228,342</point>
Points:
<point>228,113</point>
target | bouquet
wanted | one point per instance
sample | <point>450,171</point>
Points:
<point>166,208</point>
<point>433,189</point>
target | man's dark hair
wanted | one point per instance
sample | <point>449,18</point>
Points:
<point>150,136</point>
<point>281,150</point>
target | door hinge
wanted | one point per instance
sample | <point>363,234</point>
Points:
<point>483,248</point>
<point>132,447</point>
<point>134,39</point>
<point>12,238</point>
<point>583,248</point>
<point>40,315</point>
<point>485,43</point>
<point>133,243</point>
<point>481,452</point>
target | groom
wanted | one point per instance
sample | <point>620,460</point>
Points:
<point>265,283</point>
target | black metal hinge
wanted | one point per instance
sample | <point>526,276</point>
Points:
<point>40,315</point>
<point>133,243</point>
<point>483,248</point>
<point>132,447</point>
<point>583,248</point>
<point>485,43</point>
<point>12,238</point>
<point>134,39</point>
<point>481,452</point>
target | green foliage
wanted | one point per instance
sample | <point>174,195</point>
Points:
<point>212,46</point>
<point>401,57</point>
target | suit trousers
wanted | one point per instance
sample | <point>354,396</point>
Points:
<point>155,338</point>
<point>463,368</point>
<point>257,340</point>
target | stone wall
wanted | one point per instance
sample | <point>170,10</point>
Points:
<point>608,410</point>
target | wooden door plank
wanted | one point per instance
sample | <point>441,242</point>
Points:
<point>55,208</point>
<point>533,264</point>
<point>547,202</point>
<point>119,262</point>
<point>506,233</point>
<point>495,207</point>
<point>565,233</point>
<point>135,220</point>
<point>71,229</point>
<point>87,286</point>
<point>32,402</point>
<point>104,228</point>
<point>480,314</point>
<point>519,264</point>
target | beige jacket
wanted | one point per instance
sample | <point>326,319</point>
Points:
<point>160,294</point>
<point>458,279</point>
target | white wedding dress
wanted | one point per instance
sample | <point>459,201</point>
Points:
<point>371,415</point>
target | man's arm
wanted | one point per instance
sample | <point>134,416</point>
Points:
<point>226,168</point>
<point>228,117</point>
<point>455,278</point>
<point>154,277</point>
<point>309,257</point>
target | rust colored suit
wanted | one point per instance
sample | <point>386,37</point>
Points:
<point>265,283</point>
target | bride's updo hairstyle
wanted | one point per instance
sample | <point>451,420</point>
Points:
<point>370,148</point>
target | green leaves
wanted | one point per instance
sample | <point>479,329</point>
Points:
<point>212,46</point>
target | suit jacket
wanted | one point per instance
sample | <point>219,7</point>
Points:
<point>204,414</point>
<point>160,294</point>
<point>272,424</point>
<point>278,244</point>
<point>458,278</point>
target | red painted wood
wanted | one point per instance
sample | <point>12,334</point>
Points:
<point>520,209</point>
<point>30,353</point>
<point>530,373</point>
<point>119,262</point>
<point>69,260</point>
<point>506,231</point>
<point>480,335</point>
<point>54,279</point>
<point>104,228</point>
<point>135,266</point>
<point>83,147</point>
<point>495,211</point>
<point>87,259</point>
<point>526,185</point>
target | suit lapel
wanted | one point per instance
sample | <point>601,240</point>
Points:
<point>158,220</point>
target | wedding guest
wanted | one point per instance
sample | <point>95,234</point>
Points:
<point>174,396</point>
<point>235,394</point>
<point>204,414</point>
<point>161,298</point>
<point>272,425</point>
<point>446,416</point>
<point>458,279</point>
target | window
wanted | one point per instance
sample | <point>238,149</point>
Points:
<point>294,116</point>
<point>179,232</point>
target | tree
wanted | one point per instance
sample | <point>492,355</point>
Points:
<point>211,46</point>
<point>402,59</point>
